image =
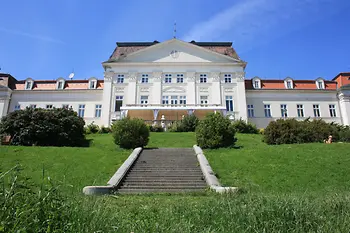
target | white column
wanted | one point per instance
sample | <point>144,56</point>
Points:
<point>191,88</point>
<point>107,99</point>
<point>131,92</point>
<point>215,92</point>
<point>344,104</point>
<point>241,103</point>
<point>156,93</point>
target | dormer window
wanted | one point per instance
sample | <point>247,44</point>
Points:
<point>29,84</point>
<point>92,83</point>
<point>60,84</point>
<point>256,83</point>
<point>288,83</point>
<point>320,83</point>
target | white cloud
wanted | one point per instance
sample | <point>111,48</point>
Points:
<point>251,22</point>
<point>33,36</point>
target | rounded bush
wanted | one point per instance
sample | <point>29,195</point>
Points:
<point>92,128</point>
<point>44,127</point>
<point>130,133</point>
<point>215,131</point>
<point>243,127</point>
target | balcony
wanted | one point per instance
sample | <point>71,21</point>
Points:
<point>173,106</point>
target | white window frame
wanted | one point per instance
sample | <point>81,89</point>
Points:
<point>118,98</point>
<point>316,110</point>
<point>228,78</point>
<point>320,84</point>
<point>182,100</point>
<point>29,84</point>
<point>144,100</point>
<point>250,109</point>
<point>59,81</point>
<point>332,111</point>
<point>256,82</point>
<point>49,106</point>
<point>174,100</point>
<point>203,78</point>
<point>165,100</point>
<point>120,78</point>
<point>168,78</point>
<point>288,83</point>
<point>144,78</point>
<point>98,110</point>
<point>284,110</point>
<point>204,100</point>
<point>300,110</point>
<point>93,83</point>
<point>81,110</point>
<point>180,78</point>
<point>229,103</point>
<point>17,107</point>
<point>267,110</point>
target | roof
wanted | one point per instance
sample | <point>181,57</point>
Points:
<point>274,84</point>
<point>341,74</point>
<point>51,85</point>
<point>125,48</point>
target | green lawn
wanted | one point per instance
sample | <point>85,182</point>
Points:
<point>287,188</point>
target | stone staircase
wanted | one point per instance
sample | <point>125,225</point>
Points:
<point>164,170</point>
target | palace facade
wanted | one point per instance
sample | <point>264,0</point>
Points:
<point>174,78</point>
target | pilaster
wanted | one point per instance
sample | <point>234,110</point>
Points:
<point>241,103</point>
<point>107,98</point>
<point>191,88</point>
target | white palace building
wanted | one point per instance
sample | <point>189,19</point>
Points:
<point>174,78</point>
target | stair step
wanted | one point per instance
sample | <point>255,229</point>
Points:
<point>166,169</point>
<point>163,187</point>
<point>162,180</point>
<point>137,191</point>
<point>167,178</point>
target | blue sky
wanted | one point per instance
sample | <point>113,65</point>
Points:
<point>303,39</point>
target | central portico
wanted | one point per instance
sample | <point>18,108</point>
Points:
<point>173,78</point>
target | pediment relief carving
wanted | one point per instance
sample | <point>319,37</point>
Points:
<point>174,89</point>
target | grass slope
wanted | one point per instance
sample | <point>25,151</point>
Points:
<point>290,188</point>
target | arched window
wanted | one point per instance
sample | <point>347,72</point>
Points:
<point>320,83</point>
<point>92,83</point>
<point>29,84</point>
<point>256,82</point>
<point>60,82</point>
<point>288,83</point>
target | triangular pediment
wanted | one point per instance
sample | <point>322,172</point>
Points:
<point>177,51</point>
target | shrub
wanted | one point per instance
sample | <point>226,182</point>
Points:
<point>44,127</point>
<point>189,123</point>
<point>243,127</point>
<point>130,133</point>
<point>176,126</point>
<point>92,128</point>
<point>292,131</point>
<point>215,131</point>
<point>104,129</point>
<point>261,131</point>
<point>156,128</point>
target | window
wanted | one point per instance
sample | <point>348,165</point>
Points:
<point>92,84</point>
<point>98,110</point>
<point>29,85</point>
<point>66,106</point>
<point>250,108</point>
<point>173,100</point>
<point>180,78</point>
<point>60,85</point>
<point>203,78</point>
<point>300,110</point>
<point>167,78</point>
<point>284,110</point>
<point>267,110</point>
<point>32,106</point>
<point>332,112</point>
<point>204,101</point>
<point>144,100</point>
<point>49,106</point>
<point>229,103</point>
<point>17,107</point>
<point>120,78</point>
<point>183,100</point>
<point>118,103</point>
<point>288,83</point>
<point>165,100</point>
<point>81,110</point>
<point>144,78</point>
<point>228,78</point>
<point>316,108</point>
<point>320,84</point>
<point>256,83</point>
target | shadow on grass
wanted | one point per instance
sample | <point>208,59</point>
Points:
<point>237,147</point>
<point>150,148</point>
<point>86,143</point>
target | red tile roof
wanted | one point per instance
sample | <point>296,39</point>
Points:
<point>51,85</point>
<point>271,84</point>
